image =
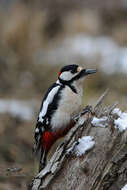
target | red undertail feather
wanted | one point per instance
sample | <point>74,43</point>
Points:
<point>49,137</point>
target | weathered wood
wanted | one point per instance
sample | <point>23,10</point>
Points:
<point>104,167</point>
<point>54,165</point>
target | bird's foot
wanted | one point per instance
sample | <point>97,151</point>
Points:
<point>87,109</point>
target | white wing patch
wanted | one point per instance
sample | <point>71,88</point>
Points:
<point>36,130</point>
<point>48,100</point>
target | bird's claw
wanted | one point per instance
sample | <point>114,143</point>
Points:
<point>87,109</point>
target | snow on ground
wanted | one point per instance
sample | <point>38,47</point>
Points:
<point>103,50</point>
<point>100,122</point>
<point>121,122</point>
<point>82,145</point>
<point>117,111</point>
<point>124,188</point>
<point>17,108</point>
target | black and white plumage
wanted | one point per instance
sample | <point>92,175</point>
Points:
<point>61,102</point>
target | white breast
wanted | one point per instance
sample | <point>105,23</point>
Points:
<point>69,105</point>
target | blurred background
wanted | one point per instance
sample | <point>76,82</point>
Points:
<point>36,39</point>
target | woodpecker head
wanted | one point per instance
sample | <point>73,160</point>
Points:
<point>74,73</point>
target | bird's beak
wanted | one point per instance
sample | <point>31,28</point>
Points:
<point>85,72</point>
<point>89,71</point>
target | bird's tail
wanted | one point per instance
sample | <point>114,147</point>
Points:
<point>42,159</point>
<point>36,148</point>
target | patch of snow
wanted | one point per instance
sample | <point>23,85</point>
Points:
<point>121,122</point>
<point>17,108</point>
<point>82,145</point>
<point>100,122</point>
<point>124,188</point>
<point>117,111</point>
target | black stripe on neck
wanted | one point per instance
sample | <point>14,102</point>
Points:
<point>68,83</point>
<point>73,89</point>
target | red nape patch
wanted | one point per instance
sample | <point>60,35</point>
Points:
<point>59,73</point>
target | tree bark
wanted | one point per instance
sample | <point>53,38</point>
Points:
<point>102,168</point>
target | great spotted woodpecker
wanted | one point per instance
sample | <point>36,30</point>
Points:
<point>61,102</point>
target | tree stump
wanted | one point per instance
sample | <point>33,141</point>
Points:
<point>102,168</point>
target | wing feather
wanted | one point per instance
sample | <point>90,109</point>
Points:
<point>49,104</point>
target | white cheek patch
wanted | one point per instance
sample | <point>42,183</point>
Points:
<point>48,100</point>
<point>67,75</point>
